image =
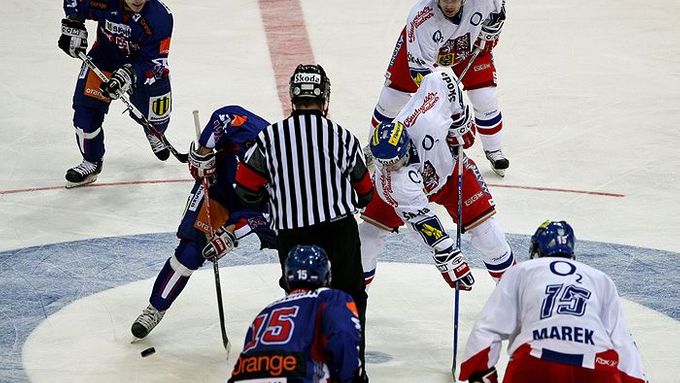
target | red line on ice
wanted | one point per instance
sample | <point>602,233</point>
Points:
<point>99,184</point>
<point>288,41</point>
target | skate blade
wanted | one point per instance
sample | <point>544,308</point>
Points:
<point>500,172</point>
<point>88,180</point>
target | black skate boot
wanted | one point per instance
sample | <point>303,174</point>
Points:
<point>499,164</point>
<point>158,147</point>
<point>146,321</point>
<point>83,174</point>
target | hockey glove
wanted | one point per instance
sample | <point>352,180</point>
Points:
<point>488,376</point>
<point>453,268</point>
<point>220,244</point>
<point>202,165</point>
<point>462,130</point>
<point>73,39</point>
<point>121,81</point>
<point>491,30</point>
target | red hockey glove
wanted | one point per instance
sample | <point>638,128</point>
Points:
<point>485,46</point>
<point>462,130</point>
<point>221,243</point>
<point>202,165</point>
<point>453,268</point>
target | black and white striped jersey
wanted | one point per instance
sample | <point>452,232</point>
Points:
<point>309,168</point>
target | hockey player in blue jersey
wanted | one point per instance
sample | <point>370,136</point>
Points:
<point>224,140</point>
<point>309,336</point>
<point>132,46</point>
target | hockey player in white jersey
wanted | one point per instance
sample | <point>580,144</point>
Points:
<point>563,320</point>
<point>418,155</point>
<point>446,33</point>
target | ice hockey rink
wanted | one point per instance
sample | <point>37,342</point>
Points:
<point>590,93</point>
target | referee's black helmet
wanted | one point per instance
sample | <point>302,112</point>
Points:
<point>309,82</point>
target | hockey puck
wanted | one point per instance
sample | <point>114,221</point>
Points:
<point>148,351</point>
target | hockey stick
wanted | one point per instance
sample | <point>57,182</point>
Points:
<point>216,269</point>
<point>181,157</point>
<point>473,57</point>
<point>459,230</point>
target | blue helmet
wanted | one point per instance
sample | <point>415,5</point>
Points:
<point>307,266</point>
<point>390,143</point>
<point>553,239</point>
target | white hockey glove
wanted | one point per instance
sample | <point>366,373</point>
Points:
<point>462,130</point>
<point>454,268</point>
<point>488,376</point>
<point>121,81</point>
<point>73,39</point>
<point>220,244</point>
<point>202,165</point>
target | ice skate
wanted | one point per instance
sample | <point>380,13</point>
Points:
<point>158,147</point>
<point>499,164</point>
<point>83,174</point>
<point>146,321</point>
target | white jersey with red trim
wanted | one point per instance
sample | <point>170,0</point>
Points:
<point>432,39</point>
<point>557,306</point>
<point>427,117</point>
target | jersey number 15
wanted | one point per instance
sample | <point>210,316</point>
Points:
<point>275,327</point>
<point>566,300</point>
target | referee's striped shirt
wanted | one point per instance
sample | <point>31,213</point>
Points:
<point>313,170</point>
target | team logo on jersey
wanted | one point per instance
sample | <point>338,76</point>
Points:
<point>453,51</point>
<point>118,29</point>
<point>421,17</point>
<point>430,229</point>
<point>430,177</point>
<point>387,191</point>
<point>160,107</point>
<point>429,101</point>
<point>397,48</point>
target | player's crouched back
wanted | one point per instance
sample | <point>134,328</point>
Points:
<point>311,335</point>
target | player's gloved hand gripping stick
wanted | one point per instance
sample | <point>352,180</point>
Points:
<point>216,255</point>
<point>181,157</point>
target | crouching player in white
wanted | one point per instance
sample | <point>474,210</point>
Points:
<point>418,155</point>
<point>563,320</point>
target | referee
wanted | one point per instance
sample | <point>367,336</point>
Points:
<point>313,174</point>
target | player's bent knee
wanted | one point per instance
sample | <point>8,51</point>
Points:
<point>188,257</point>
<point>488,238</point>
<point>87,119</point>
<point>372,242</point>
<point>391,101</point>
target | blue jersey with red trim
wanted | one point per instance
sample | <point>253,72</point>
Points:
<point>141,39</point>
<point>306,337</point>
<point>231,130</point>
